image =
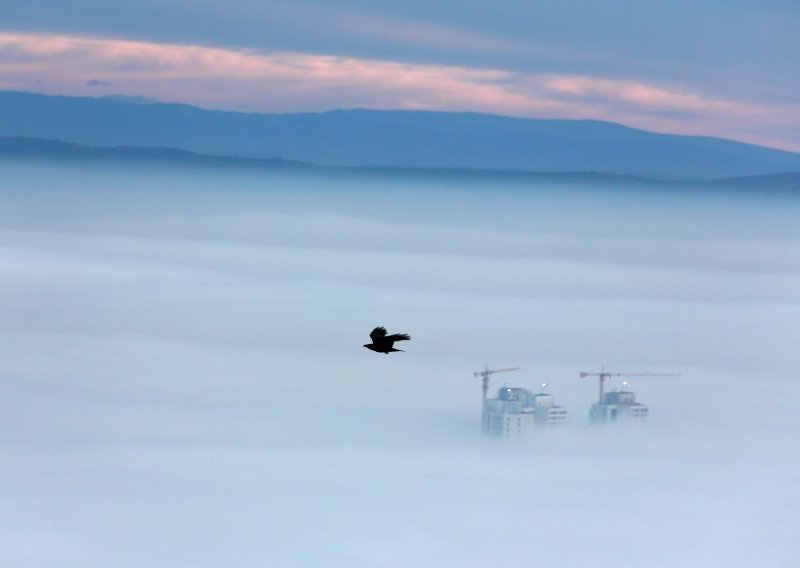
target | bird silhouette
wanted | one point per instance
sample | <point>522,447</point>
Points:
<point>383,343</point>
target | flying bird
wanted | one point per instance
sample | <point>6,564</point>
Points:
<point>383,343</point>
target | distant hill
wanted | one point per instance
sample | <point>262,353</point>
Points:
<point>388,138</point>
<point>37,149</point>
<point>789,182</point>
<point>22,150</point>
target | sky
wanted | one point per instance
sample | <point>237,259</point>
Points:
<point>725,68</point>
<point>184,382</point>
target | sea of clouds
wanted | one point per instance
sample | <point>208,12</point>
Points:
<point>183,382</point>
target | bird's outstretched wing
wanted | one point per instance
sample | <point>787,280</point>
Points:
<point>398,337</point>
<point>377,334</point>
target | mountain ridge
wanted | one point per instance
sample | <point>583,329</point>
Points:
<point>415,139</point>
<point>36,150</point>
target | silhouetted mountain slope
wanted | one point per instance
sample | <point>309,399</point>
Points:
<point>26,150</point>
<point>38,149</point>
<point>789,181</point>
<point>358,138</point>
<point>388,138</point>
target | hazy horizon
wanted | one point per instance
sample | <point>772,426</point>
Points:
<point>478,145</point>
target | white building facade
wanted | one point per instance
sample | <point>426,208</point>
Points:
<point>618,405</point>
<point>517,411</point>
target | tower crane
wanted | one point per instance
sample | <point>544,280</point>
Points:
<point>486,373</point>
<point>603,375</point>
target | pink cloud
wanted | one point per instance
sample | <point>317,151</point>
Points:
<point>246,79</point>
<point>641,94</point>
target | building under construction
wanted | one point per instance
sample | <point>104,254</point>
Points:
<point>517,411</point>
<point>618,404</point>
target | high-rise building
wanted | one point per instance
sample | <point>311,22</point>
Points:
<point>517,411</point>
<point>618,405</point>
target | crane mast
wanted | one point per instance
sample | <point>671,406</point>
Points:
<point>486,373</point>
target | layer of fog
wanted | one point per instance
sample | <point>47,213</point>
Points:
<point>184,382</point>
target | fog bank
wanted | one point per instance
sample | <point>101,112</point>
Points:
<point>184,382</point>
